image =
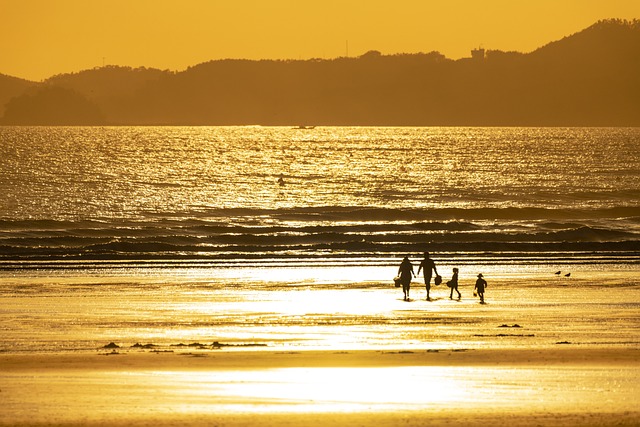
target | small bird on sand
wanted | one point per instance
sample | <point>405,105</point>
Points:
<point>558,272</point>
<point>567,275</point>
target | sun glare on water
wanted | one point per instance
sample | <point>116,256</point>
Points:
<point>385,388</point>
<point>318,389</point>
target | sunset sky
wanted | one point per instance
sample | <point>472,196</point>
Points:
<point>40,38</point>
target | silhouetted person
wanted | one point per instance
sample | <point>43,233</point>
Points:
<point>406,273</point>
<point>481,284</point>
<point>427,265</point>
<point>453,284</point>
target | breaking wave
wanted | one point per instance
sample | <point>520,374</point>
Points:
<point>315,232</point>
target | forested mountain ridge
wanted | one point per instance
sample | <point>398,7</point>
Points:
<point>586,79</point>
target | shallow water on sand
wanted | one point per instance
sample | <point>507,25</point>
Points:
<point>84,311</point>
<point>410,394</point>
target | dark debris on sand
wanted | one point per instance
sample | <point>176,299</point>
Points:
<point>217,344</point>
<point>111,345</point>
<point>138,345</point>
<point>195,345</point>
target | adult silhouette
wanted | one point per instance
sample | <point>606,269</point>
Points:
<point>427,265</point>
<point>405,272</point>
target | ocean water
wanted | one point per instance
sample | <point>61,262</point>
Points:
<point>178,235</point>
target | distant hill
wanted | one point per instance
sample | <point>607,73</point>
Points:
<point>52,105</point>
<point>11,87</point>
<point>594,73</point>
<point>586,79</point>
<point>110,88</point>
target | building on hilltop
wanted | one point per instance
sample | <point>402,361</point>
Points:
<point>478,54</point>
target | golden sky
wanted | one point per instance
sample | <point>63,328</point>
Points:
<point>40,38</point>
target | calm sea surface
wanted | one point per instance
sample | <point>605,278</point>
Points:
<point>172,234</point>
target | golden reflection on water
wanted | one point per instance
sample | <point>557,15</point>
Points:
<point>406,388</point>
<point>319,389</point>
<point>133,172</point>
<point>69,395</point>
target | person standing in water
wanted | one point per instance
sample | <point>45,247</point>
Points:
<point>406,274</point>
<point>481,284</point>
<point>453,284</point>
<point>427,265</point>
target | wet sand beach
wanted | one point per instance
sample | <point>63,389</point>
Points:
<point>541,352</point>
<point>564,386</point>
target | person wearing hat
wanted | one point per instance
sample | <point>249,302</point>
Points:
<point>481,284</point>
